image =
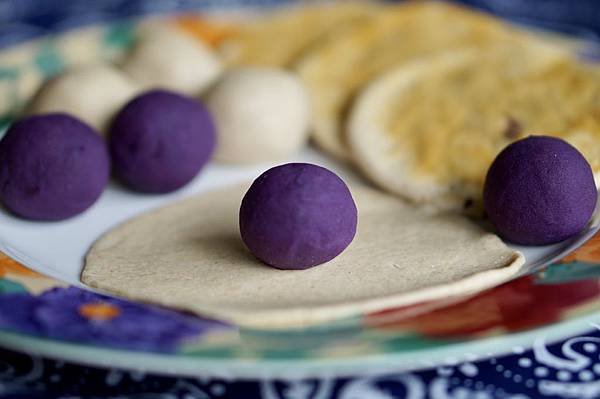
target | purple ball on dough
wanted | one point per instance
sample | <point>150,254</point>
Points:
<point>52,167</point>
<point>539,191</point>
<point>160,140</point>
<point>297,216</point>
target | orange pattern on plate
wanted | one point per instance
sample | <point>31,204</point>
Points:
<point>99,311</point>
<point>10,266</point>
<point>588,252</point>
<point>209,32</point>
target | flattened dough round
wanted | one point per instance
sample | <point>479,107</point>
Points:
<point>430,129</point>
<point>280,37</point>
<point>190,256</point>
<point>339,65</point>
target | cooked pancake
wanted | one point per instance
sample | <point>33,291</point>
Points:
<point>278,38</point>
<point>429,130</point>
<point>352,55</point>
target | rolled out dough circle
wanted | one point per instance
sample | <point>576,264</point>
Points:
<point>190,256</point>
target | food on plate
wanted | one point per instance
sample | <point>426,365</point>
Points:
<point>189,255</point>
<point>93,93</point>
<point>296,216</point>
<point>420,96</point>
<point>160,140</point>
<point>429,131</point>
<point>261,114</point>
<point>169,59</point>
<point>338,67</point>
<point>278,38</point>
<point>52,167</point>
<point>539,190</point>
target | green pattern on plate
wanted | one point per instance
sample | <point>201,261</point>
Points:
<point>567,272</point>
<point>48,60</point>
<point>120,36</point>
<point>10,287</point>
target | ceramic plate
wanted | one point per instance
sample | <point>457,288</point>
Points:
<point>44,308</point>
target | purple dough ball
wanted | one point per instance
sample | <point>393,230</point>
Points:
<point>297,216</point>
<point>160,140</point>
<point>539,190</point>
<point>52,167</point>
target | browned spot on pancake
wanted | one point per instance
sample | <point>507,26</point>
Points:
<point>513,128</point>
<point>468,203</point>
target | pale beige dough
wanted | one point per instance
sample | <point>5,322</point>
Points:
<point>189,256</point>
<point>168,59</point>
<point>93,93</point>
<point>261,114</point>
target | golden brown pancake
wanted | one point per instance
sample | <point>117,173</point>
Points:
<point>278,38</point>
<point>357,52</point>
<point>429,130</point>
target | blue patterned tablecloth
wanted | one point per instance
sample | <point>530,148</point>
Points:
<point>567,369</point>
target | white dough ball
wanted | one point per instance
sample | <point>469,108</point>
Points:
<point>261,114</point>
<point>172,60</point>
<point>92,93</point>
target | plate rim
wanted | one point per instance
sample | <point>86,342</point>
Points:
<point>183,365</point>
